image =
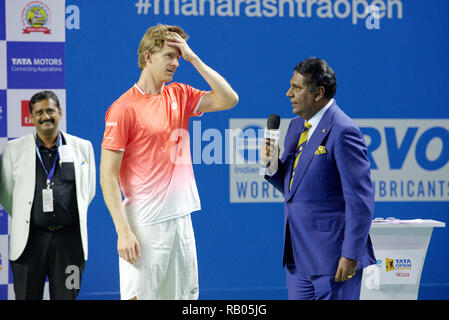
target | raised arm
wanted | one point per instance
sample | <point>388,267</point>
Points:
<point>222,96</point>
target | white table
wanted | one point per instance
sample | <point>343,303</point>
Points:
<point>400,247</point>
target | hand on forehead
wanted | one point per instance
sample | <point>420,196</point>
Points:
<point>174,34</point>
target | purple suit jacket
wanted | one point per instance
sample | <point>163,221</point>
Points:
<point>329,209</point>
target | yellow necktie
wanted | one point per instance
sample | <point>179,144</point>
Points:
<point>301,144</point>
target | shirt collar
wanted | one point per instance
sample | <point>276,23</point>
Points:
<point>143,93</point>
<point>315,120</point>
<point>40,144</point>
<point>317,117</point>
<point>139,89</point>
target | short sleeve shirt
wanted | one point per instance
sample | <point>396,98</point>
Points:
<point>156,176</point>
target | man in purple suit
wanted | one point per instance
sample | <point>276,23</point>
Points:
<point>324,174</point>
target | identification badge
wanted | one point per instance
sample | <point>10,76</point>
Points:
<point>47,200</point>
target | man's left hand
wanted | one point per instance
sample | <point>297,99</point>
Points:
<point>346,269</point>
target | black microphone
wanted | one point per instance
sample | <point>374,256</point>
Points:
<point>273,122</point>
<point>272,129</point>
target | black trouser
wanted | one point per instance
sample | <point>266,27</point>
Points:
<point>56,254</point>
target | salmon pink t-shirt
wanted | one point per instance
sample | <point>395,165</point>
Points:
<point>156,175</point>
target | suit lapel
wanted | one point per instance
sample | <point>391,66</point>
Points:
<point>29,152</point>
<point>76,161</point>
<point>321,131</point>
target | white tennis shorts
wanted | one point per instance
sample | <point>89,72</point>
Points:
<point>167,268</point>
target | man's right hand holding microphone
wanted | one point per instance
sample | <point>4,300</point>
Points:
<point>269,156</point>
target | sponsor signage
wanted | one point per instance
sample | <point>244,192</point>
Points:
<point>247,184</point>
<point>42,21</point>
<point>26,118</point>
<point>409,158</point>
<point>36,17</point>
<point>400,266</point>
<point>35,65</point>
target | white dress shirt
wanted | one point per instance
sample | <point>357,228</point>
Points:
<point>315,120</point>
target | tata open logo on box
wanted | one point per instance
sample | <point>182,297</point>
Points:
<point>409,158</point>
<point>400,266</point>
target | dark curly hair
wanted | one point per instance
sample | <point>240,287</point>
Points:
<point>44,95</point>
<point>318,74</point>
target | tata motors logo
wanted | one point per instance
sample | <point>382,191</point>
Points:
<point>409,158</point>
<point>36,65</point>
<point>36,17</point>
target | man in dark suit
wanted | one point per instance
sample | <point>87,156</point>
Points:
<point>324,174</point>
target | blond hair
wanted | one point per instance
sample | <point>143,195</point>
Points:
<point>153,40</point>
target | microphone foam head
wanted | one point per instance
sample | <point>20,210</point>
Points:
<point>273,122</point>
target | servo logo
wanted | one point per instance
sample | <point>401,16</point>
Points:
<point>409,158</point>
<point>36,17</point>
